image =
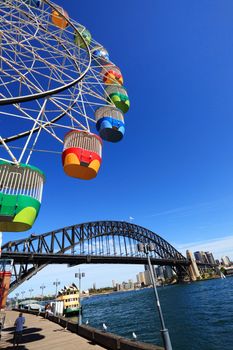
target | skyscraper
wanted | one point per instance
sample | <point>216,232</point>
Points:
<point>210,258</point>
<point>193,267</point>
<point>168,272</point>
<point>113,283</point>
<point>144,278</point>
<point>200,256</point>
<point>197,256</point>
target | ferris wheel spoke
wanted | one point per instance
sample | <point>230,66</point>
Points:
<point>61,68</point>
<point>27,82</point>
<point>40,114</point>
<point>50,76</point>
<point>34,150</point>
<point>8,150</point>
<point>69,113</point>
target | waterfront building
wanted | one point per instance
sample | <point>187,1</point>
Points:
<point>201,257</point>
<point>228,270</point>
<point>113,284</point>
<point>168,272</point>
<point>226,261</point>
<point>137,285</point>
<point>159,270</point>
<point>147,278</point>
<point>126,286</point>
<point>131,284</point>
<point>194,272</point>
<point>141,278</point>
<point>118,287</point>
<point>210,258</point>
<point>144,278</point>
<point>197,256</point>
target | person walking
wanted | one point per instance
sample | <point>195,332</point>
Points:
<point>19,322</point>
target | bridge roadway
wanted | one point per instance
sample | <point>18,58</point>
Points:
<point>73,259</point>
<point>41,334</point>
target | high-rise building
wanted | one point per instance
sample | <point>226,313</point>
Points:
<point>131,284</point>
<point>118,287</point>
<point>210,258</point>
<point>147,278</point>
<point>201,257</point>
<point>168,272</point>
<point>194,272</point>
<point>141,278</point>
<point>144,278</point>
<point>197,256</point>
<point>159,270</point>
<point>113,283</point>
<point>226,261</point>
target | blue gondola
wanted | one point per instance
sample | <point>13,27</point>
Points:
<point>100,54</point>
<point>110,123</point>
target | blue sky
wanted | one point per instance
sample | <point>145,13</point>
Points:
<point>173,171</point>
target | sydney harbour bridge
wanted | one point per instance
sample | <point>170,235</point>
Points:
<point>100,242</point>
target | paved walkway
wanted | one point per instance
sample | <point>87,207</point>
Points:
<point>41,334</point>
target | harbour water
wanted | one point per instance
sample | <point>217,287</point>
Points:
<point>199,315</point>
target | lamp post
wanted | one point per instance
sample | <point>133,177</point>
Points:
<point>42,287</point>
<point>16,299</point>
<point>23,292</point>
<point>146,248</point>
<point>79,275</point>
<point>30,291</point>
<point>56,283</point>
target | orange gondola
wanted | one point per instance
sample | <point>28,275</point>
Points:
<point>81,157</point>
<point>60,17</point>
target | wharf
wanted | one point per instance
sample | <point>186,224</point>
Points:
<point>41,334</point>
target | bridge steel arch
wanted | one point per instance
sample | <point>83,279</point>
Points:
<point>92,242</point>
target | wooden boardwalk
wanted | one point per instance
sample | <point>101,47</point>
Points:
<point>41,334</point>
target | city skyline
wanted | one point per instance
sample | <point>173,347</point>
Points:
<point>93,275</point>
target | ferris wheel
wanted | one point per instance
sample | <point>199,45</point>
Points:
<point>59,92</point>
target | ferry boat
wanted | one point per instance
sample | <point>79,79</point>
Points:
<point>69,295</point>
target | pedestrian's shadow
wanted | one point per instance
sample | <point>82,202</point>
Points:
<point>29,335</point>
<point>20,347</point>
<point>9,329</point>
<point>29,338</point>
<point>26,330</point>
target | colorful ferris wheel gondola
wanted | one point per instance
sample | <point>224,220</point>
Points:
<point>82,154</point>
<point>118,95</point>
<point>100,54</point>
<point>59,17</point>
<point>82,37</point>
<point>21,189</point>
<point>110,123</point>
<point>112,74</point>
